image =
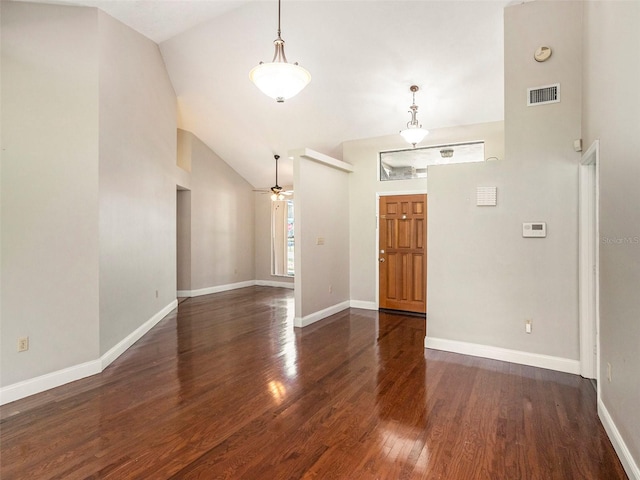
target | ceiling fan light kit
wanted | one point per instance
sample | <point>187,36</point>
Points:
<point>276,189</point>
<point>277,192</point>
<point>414,133</point>
<point>280,79</point>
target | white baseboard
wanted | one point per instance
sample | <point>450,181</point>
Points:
<point>364,305</point>
<point>630,466</point>
<point>319,315</point>
<point>23,389</point>
<point>559,364</point>
<point>134,336</point>
<point>271,283</point>
<point>216,289</point>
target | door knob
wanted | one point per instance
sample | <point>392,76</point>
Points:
<point>382,260</point>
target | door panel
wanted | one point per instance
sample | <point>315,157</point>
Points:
<point>419,289</point>
<point>391,233</point>
<point>391,284</point>
<point>420,231</point>
<point>404,234</point>
<point>403,253</point>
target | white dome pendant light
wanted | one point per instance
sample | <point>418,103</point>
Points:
<point>414,133</point>
<point>279,79</point>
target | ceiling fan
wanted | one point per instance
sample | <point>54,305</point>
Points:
<point>277,192</point>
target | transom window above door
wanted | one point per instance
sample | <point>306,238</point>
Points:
<point>413,162</point>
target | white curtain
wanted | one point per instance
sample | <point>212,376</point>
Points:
<point>279,237</point>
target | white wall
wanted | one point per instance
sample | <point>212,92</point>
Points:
<point>612,115</point>
<point>321,270</point>
<point>49,188</point>
<point>88,201</point>
<point>364,187</point>
<point>484,278</point>
<point>89,180</point>
<point>137,193</point>
<point>222,219</point>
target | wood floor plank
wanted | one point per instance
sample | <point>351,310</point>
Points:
<point>226,388</point>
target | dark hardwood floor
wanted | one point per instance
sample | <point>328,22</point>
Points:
<point>226,388</point>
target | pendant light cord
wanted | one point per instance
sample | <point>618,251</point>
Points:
<point>279,19</point>
<point>278,55</point>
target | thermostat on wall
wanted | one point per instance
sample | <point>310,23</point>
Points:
<point>534,229</point>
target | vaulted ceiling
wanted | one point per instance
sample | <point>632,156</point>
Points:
<point>362,55</point>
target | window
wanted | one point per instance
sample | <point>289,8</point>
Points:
<point>290,238</point>
<point>413,162</point>
<point>282,238</point>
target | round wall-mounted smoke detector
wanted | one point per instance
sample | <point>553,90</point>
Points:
<point>542,54</point>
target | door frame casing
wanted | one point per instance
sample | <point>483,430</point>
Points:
<point>589,262</point>
<point>377,252</point>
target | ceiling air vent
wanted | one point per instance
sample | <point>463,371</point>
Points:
<point>543,95</point>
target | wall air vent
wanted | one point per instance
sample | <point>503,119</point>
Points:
<point>543,95</point>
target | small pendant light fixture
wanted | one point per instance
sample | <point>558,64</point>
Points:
<point>446,152</point>
<point>279,79</point>
<point>414,133</point>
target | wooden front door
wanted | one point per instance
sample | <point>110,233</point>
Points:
<point>403,252</point>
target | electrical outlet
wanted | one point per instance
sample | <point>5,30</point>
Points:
<point>23,344</point>
<point>156,293</point>
<point>609,372</point>
<point>528,324</point>
<point>330,288</point>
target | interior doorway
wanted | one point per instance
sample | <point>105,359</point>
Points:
<point>183,242</point>
<point>589,262</point>
<point>402,252</point>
